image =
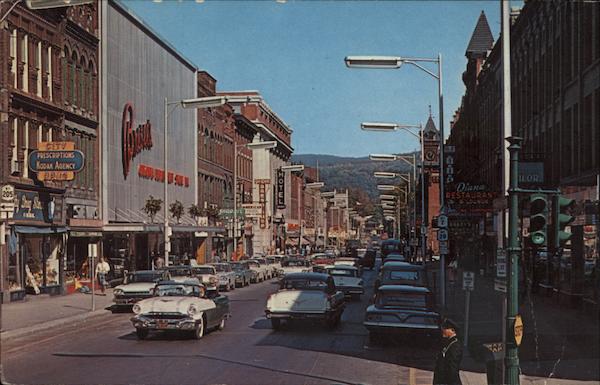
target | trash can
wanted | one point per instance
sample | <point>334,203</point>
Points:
<point>494,362</point>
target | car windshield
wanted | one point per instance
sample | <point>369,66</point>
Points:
<point>403,300</point>
<point>220,267</point>
<point>203,270</point>
<point>294,263</point>
<point>237,266</point>
<point>303,284</point>
<point>342,272</point>
<point>142,277</point>
<point>404,275</point>
<point>253,264</point>
<point>179,272</point>
<point>177,290</point>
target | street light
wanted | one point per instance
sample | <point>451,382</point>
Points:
<point>196,103</point>
<point>387,196</point>
<point>252,146</point>
<point>378,126</point>
<point>394,62</point>
<point>293,168</point>
<point>386,187</point>
<point>383,157</point>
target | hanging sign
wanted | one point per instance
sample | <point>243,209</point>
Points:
<point>280,189</point>
<point>56,161</point>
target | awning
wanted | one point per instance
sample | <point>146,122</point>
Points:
<point>40,230</point>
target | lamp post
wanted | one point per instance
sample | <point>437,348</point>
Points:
<point>395,62</point>
<point>197,103</point>
<point>253,146</point>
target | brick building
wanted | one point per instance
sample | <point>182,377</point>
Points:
<point>49,84</point>
<point>555,81</point>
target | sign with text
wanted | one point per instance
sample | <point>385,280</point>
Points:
<point>531,173</point>
<point>33,205</point>
<point>471,198</point>
<point>133,140</point>
<point>253,210</point>
<point>468,280</point>
<point>501,263</point>
<point>280,189</point>
<point>56,161</point>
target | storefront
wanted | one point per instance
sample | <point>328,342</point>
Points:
<point>36,239</point>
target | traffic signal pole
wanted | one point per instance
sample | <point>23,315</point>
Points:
<point>514,251</point>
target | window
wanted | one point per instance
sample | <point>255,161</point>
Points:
<point>73,79</point>
<point>13,57</point>
<point>25,62</point>
<point>38,69</point>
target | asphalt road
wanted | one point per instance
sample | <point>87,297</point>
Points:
<point>105,350</point>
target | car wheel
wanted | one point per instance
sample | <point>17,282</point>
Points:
<point>141,333</point>
<point>199,331</point>
<point>275,323</point>
<point>222,324</point>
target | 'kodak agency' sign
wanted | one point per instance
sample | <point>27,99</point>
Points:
<point>56,161</point>
<point>134,140</point>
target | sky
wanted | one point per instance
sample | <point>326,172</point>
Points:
<point>293,54</point>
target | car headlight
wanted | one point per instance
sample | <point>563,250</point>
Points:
<point>137,309</point>
<point>118,291</point>
<point>192,310</point>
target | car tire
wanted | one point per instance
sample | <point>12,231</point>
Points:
<point>221,324</point>
<point>199,331</point>
<point>276,323</point>
<point>141,333</point>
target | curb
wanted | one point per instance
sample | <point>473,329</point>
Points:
<point>22,332</point>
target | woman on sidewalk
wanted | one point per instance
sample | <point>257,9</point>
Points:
<point>102,268</point>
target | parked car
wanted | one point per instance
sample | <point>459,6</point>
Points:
<point>402,309</point>
<point>368,260</point>
<point>402,273</point>
<point>136,286</point>
<point>179,273</point>
<point>322,259</point>
<point>389,246</point>
<point>181,306</point>
<point>243,274</point>
<point>294,265</point>
<point>274,262</point>
<point>306,296</point>
<point>397,257</point>
<point>207,275</point>
<point>226,275</point>
<point>347,279</point>
<point>261,271</point>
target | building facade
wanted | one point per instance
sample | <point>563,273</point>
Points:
<point>49,102</point>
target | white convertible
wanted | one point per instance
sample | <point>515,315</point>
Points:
<point>347,280</point>
<point>306,296</point>
<point>180,306</point>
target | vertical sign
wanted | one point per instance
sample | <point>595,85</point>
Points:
<point>262,198</point>
<point>280,189</point>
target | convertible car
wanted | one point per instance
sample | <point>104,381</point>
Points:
<point>180,306</point>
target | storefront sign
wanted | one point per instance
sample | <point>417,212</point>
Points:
<point>280,189</point>
<point>158,175</point>
<point>253,210</point>
<point>133,140</point>
<point>56,161</point>
<point>472,198</point>
<point>262,199</point>
<point>31,205</point>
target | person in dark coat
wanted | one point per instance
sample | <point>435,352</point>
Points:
<point>447,363</point>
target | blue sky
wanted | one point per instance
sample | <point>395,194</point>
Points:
<point>293,53</point>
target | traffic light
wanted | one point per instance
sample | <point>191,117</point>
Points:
<point>538,220</point>
<point>562,218</point>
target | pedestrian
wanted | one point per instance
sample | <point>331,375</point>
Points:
<point>102,269</point>
<point>159,261</point>
<point>447,363</point>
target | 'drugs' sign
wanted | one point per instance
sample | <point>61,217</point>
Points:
<point>56,161</point>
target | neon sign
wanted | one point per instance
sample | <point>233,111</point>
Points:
<point>134,140</point>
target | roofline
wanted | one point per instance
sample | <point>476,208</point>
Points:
<point>253,96</point>
<point>122,8</point>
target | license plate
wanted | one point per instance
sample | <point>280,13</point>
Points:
<point>162,324</point>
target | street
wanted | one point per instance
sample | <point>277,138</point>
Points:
<point>247,351</point>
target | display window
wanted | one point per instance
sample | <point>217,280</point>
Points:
<point>41,258</point>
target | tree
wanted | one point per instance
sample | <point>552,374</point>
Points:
<point>152,206</point>
<point>195,212</point>
<point>176,209</point>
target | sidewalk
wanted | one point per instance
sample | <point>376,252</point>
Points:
<point>560,344</point>
<point>40,312</point>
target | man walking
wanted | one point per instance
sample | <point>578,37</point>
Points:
<point>447,363</point>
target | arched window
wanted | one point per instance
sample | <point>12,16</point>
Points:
<point>92,87</point>
<point>73,79</point>
<point>64,66</point>
<point>82,84</point>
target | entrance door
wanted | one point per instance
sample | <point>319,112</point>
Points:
<point>142,254</point>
